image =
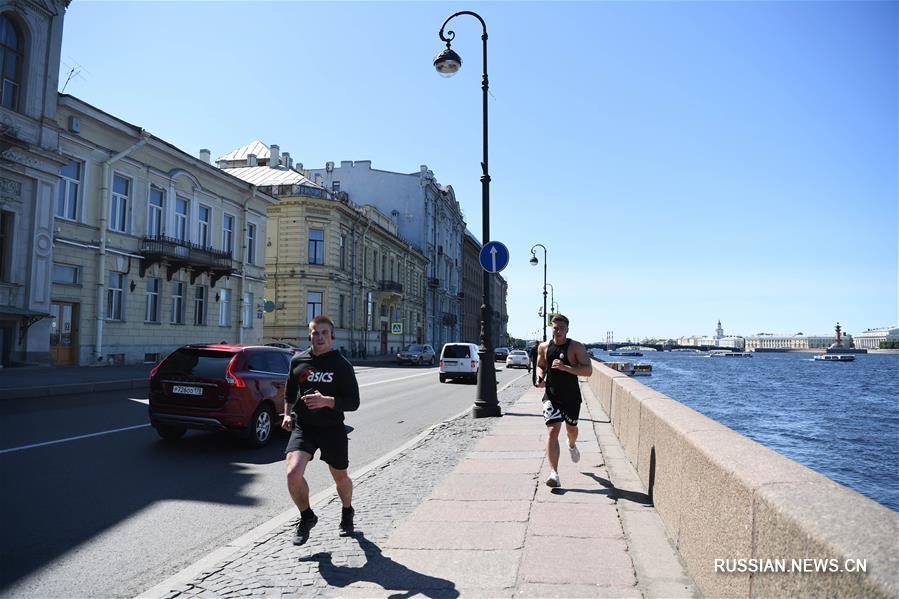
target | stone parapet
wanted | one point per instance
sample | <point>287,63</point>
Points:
<point>723,496</point>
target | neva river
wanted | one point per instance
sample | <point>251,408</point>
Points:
<point>841,419</point>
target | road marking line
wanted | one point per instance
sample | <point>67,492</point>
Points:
<point>402,378</point>
<point>146,402</point>
<point>33,445</point>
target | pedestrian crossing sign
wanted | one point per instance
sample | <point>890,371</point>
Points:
<point>396,328</point>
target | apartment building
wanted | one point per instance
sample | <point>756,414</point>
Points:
<point>326,254</point>
<point>473,295</point>
<point>153,248</point>
<point>30,41</point>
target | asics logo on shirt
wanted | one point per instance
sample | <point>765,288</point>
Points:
<point>319,377</point>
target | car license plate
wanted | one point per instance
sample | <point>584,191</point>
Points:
<point>187,390</point>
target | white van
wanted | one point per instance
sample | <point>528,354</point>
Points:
<point>459,360</point>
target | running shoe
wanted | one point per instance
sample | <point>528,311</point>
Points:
<point>303,528</point>
<point>575,453</point>
<point>553,480</point>
<point>346,527</point>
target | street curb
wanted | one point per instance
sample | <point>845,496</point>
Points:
<point>222,554</point>
<point>73,388</point>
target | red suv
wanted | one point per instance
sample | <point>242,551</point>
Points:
<point>222,387</point>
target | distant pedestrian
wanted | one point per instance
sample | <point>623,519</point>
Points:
<point>321,386</point>
<point>532,362</point>
<point>559,362</point>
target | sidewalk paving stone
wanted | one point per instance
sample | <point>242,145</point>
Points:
<point>561,560</point>
<point>575,520</point>
<point>509,466</point>
<point>467,487</point>
<point>440,510</point>
<point>416,534</point>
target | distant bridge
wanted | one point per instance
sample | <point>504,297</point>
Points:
<point>658,346</point>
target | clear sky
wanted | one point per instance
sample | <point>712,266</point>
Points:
<point>683,162</point>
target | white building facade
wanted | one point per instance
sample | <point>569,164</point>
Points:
<point>428,215</point>
<point>30,42</point>
<point>872,338</point>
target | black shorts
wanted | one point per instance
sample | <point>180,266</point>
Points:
<point>555,410</point>
<point>331,440</point>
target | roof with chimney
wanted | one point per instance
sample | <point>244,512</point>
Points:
<point>254,147</point>
<point>262,172</point>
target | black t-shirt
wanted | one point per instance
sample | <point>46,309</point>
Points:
<point>560,385</point>
<point>329,374</point>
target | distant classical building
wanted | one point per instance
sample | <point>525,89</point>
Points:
<point>719,340</point>
<point>428,215</point>
<point>872,338</point>
<point>153,248</point>
<point>30,41</point>
<point>473,294</point>
<point>799,341</point>
<point>328,255</point>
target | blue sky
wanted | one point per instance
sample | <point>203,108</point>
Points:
<point>683,162</point>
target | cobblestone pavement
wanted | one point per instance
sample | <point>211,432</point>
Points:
<point>273,567</point>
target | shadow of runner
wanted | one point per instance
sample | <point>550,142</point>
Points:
<point>620,494</point>
<point>390,575</point>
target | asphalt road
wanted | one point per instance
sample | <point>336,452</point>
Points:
<point>111,509</point>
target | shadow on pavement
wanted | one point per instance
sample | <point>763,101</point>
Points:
<point>383,571</point>
<point>621,494</point>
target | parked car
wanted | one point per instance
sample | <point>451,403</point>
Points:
<point>459,360</point>
<point>293,347</point>
<point>220,387</point>
<point>518,359</point>
<point>500,354</point>
<point>417,354</point>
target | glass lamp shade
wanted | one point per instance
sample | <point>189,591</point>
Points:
<point>534,261</point>
<point>448,63</point>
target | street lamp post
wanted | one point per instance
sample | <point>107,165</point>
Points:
<point>448,64</point>
<point>534,261</point>
<point>553,306</point>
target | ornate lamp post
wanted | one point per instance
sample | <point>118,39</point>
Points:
<point>553,306</point>
<point>534,262</point>
<point>448,64</point>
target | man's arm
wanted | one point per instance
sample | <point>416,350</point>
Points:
<point>540,367</point>
<point>581,365</point>
<point>347,393</point>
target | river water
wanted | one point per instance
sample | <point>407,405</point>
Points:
<point>840,419</point>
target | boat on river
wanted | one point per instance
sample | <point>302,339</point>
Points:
<point>723,353</point>
<point>625,352</point>
<point>642,369</point>
<point>624,367</point>
<point>834,358</point>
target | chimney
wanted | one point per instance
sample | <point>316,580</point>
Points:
<point>286,158</point>
<point>251,160</point>
<point>299,168</point>
<point>205,155</point>
<point>275,160</point>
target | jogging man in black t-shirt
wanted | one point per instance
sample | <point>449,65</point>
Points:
<point>321,386</point>
<point>567,359</point>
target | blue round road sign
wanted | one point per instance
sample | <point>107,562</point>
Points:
<point>494,256</point>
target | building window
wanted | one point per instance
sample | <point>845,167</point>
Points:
<point>248,310</point>
<point>316,246</point>
<point>118,205</point>
<point>335,186</point>
<point>342,252</point>
<point>370,312</point>
<point>182,208</point>
<point>177,303</point>
<point>203,218</point>
<point>151,313</point>
<point>225,307</point>
<point>374,264</point>
<point>114,294</point>
<point>11,60</point>
<point>384,273</point>
<point>341,308</point>
<point>313,304</point>
<point>6,219</point>
<point>65,274</point>
<point>228,233</point>
<point>251,243</point>
<point>155,210</point>
<point>199,305</point>
<point>67,199</point>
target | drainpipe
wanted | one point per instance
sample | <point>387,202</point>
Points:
<point>356,222</point>
<point>106,167</point>
<point>362,287</point>
<point>244,263</point>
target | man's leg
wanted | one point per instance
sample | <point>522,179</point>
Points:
<point>572,431</point>
<point>552,452</point>
<point>296,481</point>
<point>344,486</point>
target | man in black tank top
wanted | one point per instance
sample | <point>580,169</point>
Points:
<point>559,362</point>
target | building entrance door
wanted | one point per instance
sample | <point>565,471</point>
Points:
<point>383,338</point>
<point>63,333</point>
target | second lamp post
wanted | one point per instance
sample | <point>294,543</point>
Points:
<point>534,262</point>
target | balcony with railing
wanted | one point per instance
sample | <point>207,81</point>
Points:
<point>390,290</point>
<point>176,254</point>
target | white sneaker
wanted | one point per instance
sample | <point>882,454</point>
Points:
<point>553,480</point>
<point>575,453</point>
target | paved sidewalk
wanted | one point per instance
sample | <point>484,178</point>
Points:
<point>465,512</point>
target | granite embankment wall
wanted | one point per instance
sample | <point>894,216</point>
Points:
<point>724,496</point>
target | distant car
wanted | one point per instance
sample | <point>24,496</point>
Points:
<point>518,359</point>
<point>500,354</point>
<point>417,354</point>
<point>220,387</point>
<point>286,345</point>
<point>459,360</point>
